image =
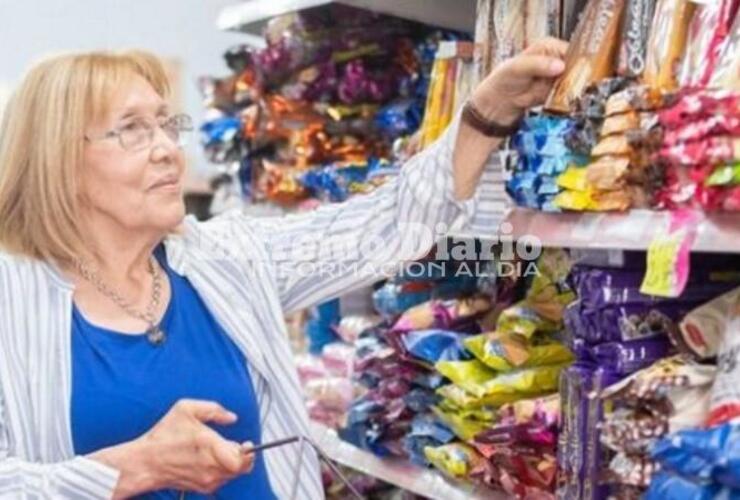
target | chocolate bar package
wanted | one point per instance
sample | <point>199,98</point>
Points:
<point>726,75</point>
<point>638,18</point>
<point>542,20</point>
<point>508,29</point>
<point>591,54</point>
<point>667,43</point>
<point>571,12</point>
<point>707,35</point>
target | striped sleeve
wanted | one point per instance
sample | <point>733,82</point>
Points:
<point>332,250</point>
<point>79,478</point>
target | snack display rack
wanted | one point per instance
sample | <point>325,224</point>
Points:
<point>618,239</point>
<point>401,473</point>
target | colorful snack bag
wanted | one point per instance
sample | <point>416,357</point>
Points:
<point>591,55</point>
<point>704,329</point>
<point>543,20</point>
<point>726,74</point>
<point>505,352</point>
<point>462,372</point>
<point>456,459</point>
<point>667,43</point>
<point>725,403</point>
<point>509,29</point>
<point>707,32</point>
<point>524,381</point>
<point>638,17</point>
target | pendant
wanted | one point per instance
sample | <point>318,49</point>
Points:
<point>156,335</point>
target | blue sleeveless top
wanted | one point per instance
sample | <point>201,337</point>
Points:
<point>122,384</point>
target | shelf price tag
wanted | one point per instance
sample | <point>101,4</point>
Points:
<point>668,257</point>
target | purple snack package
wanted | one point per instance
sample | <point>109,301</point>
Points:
<point>575,385</point>
<point>624,358</point>
<point>594,455</point>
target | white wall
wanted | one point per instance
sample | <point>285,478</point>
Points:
<point>180,29</point>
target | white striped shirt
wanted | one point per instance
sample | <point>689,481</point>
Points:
<point>249,274</point>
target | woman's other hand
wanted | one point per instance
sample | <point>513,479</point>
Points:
<point>522,82</point>
<point>180,452</point>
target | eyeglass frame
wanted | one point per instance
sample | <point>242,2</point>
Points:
<point>117,131</point>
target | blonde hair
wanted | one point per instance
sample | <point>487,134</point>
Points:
<point>42,145</point>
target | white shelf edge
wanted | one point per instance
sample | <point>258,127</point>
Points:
<point>426,482</point>
<point>633,230</point>
<point>458,15</point>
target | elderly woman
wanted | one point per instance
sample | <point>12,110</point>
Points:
<point>143,352</point>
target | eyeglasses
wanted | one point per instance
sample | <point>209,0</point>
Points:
<point>138,133</point>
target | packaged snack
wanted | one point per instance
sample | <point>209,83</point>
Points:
<point>632,470</point>
<point>509,29</point>
<point>542,20</point>
<point>335,393</point>
<point>608,173</point>
<point>591,55</point>
<point>456,459</point>
<point>461,399</point>
<point>504,352</point>
<point>572,11</point>
<point>624,358</point>
<point>611,201</point>
<point>638,17</point>
<point>522,319</point>
<point>523,381</point>
<point>703,330</point>
<point>574,200</point>
<point>573,179</point>
<point>635,98</point>
<point>724,175</point>
<point>667,43</point>
<point>631,120</point>
<point>462,372</point>
<point>702,128</point>
<point>613,145</point>
<point>726,73</point>
<point>703,455</point>
<point>464,427</point>
<point>432,346</point>
<point>441,314</point>
<point>709,151</point>
<point>725,404</point>
<point>666,485</point>
<point>708,29</point>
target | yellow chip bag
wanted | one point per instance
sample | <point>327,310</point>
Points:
<point>465,371</point>
<point>457,397</point>
<point>524,381</point>
<point>454,459</point>
<point>464,428</point>
<point>506,352</point>
<point>573,179</point>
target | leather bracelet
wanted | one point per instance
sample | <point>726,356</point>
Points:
<point>489,128</point>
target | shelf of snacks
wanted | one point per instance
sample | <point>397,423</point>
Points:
<point>646,117</point>
<point>632,230</point>
<point>458,15</point>
<point>398,472</point>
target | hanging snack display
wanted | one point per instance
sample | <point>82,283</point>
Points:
<point>317,112</point>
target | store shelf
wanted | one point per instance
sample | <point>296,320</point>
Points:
<point>249,15</point>
<point>425,482</point>
<point>632,230</point>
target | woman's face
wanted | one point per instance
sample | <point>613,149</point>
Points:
<point>137,188</point>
